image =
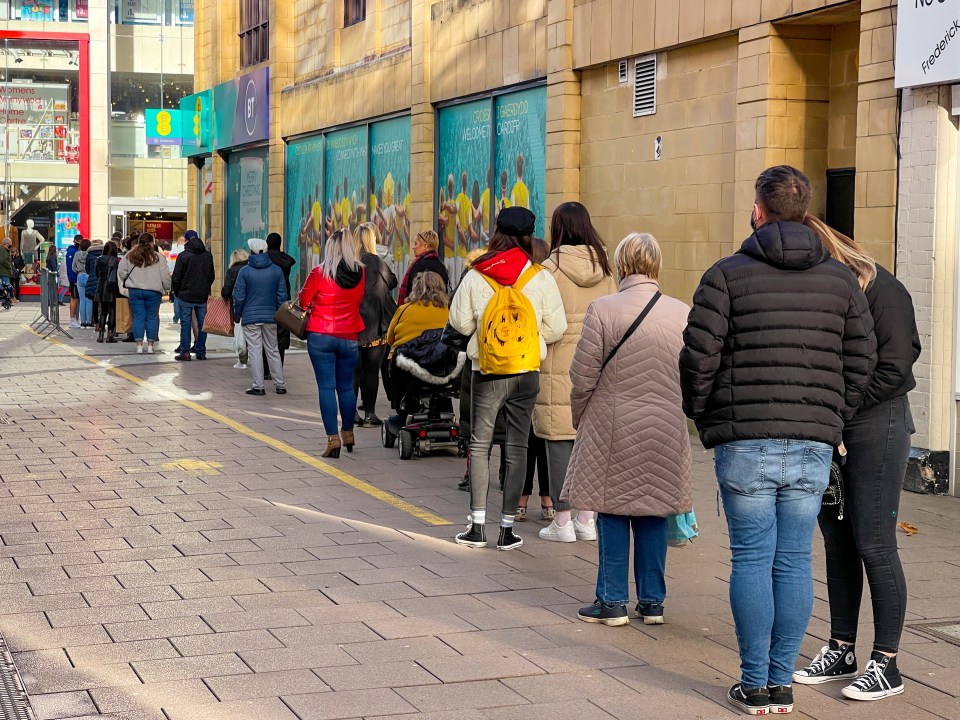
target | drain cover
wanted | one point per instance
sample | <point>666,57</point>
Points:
<point>947,631</point>
<point>14,703</point>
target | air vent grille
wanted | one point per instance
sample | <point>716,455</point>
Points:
<point>645,86</point>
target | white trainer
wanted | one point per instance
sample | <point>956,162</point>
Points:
<point>239,366</point>
<point>559,533</point>
<point>585,531</point>
<point>139,349</point>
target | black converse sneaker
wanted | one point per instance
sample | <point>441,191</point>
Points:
<point>753,701</point>
<point>605,614</point>
<point>880,679</point>
<point>474,536</point>
<point>507,540</point>
<point>781,699</point>
<point>834,662</point>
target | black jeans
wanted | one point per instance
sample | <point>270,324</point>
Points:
<point>516,395</point>
<point>536,465</point>
<point>108,316</point>
<point>878,445</point>
<point>366,376</point>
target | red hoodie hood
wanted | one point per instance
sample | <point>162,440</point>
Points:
<point>504,267</point>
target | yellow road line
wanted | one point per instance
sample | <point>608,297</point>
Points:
<point>307,459</point>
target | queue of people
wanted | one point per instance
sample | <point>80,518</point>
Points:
<point>795,358</point>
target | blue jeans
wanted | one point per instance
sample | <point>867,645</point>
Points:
<point>86,304</point>
<point>176,309</point>
<point>187,310</point>
<point>771,496</point>
<point>649,558</point>
<point>334,360</point>
<point>145,308</point>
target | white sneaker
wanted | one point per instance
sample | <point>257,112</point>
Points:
<point>150,352</point>
<point>74,324</point>
<point>239,366</point>
<point>139,349</point>
<point>559,533</point>
<point>585,531</point>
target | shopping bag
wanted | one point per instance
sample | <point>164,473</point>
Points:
<point>682,529</point>
<point>240,343</point>
<point>218,320</point>
<point>124,316</point>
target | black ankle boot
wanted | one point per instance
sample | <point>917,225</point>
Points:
<point>475,536</point>
<point>100,336</point>
<point>508,540</point>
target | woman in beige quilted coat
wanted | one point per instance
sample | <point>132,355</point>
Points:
<point>578,262</point>
<point>631,461</point>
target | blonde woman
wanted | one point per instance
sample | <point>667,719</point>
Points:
<point>426,259</point>
<point>631,460</point>
<point>333,293</point>
<point>376,309</point>
<point>877,441</point>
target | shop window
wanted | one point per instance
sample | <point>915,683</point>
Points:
<point>44,10</point>
<point>254,32</point>
<point>150,12</point>
<point>354,11</point>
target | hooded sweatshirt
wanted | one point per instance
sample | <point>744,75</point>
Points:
<point>259,291</point>
<point>779,343</point>
<point>473,294</point>
<point>581,281</point>
<point>284,262</point>
<point>90,267</point>
<point>193,273</point>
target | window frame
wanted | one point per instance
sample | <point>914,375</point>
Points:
<point>254,32</point>
<point>354,12</point>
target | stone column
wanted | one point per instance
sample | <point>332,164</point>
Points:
<point>422,119</point>
<point>563,108</point>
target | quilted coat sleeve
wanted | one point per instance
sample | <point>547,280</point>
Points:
<point>586,366</point>
<point>463,314</point>
<point>859,352</point>
<point>703,340</point>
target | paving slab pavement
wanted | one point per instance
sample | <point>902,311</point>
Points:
<point>173,548</point>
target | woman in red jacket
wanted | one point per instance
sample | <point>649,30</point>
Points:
<point>332,295</point>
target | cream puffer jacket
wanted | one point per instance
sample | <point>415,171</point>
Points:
<point>581,281</point>
<point>632,453</point>
<point>473,294</point>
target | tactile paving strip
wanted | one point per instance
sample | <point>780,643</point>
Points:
<point>14,703</point>
<point>946,631</point>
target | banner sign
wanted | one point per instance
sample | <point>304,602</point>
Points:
<point>160,229</point>
<point>66,226</point>
<point>164,127</point>
<point>345,168</point>
<point>186,11</point>
<point>389,203</point>
<point>81,9</point>
<point>36,104</point>
<point>196,115</point>
<point>241,110</point>
<point>928,42</point>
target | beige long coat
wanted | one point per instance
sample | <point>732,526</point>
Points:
<point>581,281</point>
<point>632,453</point>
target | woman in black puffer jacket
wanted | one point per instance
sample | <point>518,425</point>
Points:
<point>877,442</point>
<point>238,261</point>
<point>376,310</point>
<point>90,266</point>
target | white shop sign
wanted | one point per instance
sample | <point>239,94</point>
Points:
<point>928,42</point>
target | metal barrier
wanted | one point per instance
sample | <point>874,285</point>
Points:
<point>48,319</point>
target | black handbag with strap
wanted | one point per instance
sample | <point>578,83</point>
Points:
<point>632,329</point>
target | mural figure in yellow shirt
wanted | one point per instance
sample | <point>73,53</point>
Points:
<point>346,214</point>
<point>448,218</point>
<point>464,217</point>
<point>520,196</point>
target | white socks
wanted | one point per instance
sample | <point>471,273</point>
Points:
<point>478,517</point>
<point>507,521</point>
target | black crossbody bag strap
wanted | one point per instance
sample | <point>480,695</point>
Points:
<point>632,329</point>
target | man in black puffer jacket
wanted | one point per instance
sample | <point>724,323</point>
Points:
<point>778,351</point>
<point>193,275</point>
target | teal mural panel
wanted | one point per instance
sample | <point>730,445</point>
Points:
<point>520,177</point>
<point>389,197</point>
<point>464,179</point>
<point>304,205</point>
<point>345,170</point>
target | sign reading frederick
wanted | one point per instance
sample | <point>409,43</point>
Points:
<point>928,42</point>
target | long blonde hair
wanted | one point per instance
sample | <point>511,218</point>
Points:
<point>340,247</point>
<point>367,237</point>
<point>845,250</point>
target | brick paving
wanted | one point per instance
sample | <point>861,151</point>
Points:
<point>160,565</point>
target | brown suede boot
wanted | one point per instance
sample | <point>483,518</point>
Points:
<point>348,440</point>
<point>333,447</point>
